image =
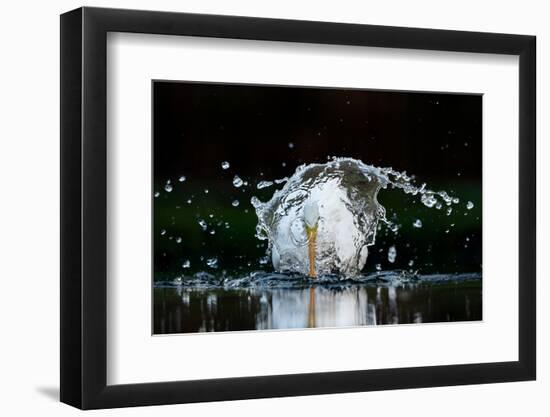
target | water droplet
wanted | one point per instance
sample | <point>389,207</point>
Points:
<point>235,203</point>
<point>168,188</point>
<point>189,201</point>
<point>449,211</point>
<point>264,184</point>
<point>237,181</point>
<point>378,267</point>
<point>290,145</point>
<point>392,253</point>
<point>203,224</point>
<point>212,262</point>
<point>162,232</point>
<point>469,205</point>
<point>182,178</point>
<point>225,165</point>
<point>411,262</point>
<point>417,223</point>
<point>178,239</point>
<point>186,264</point>
<point>212,232</point>
<point>206,191</point>
<point>456,200</point>
<point>428,199</point>
<point>156,194</point>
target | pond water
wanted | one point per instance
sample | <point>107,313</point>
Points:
<point>262,301</point>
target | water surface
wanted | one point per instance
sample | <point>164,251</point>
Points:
<point>265,301</point>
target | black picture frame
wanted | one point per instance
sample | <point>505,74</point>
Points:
<point>84,207</point>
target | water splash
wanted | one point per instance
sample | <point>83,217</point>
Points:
<point>344,193</point>
<point>262,279</point>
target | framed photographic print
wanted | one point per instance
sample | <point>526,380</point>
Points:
<point>256,208</point>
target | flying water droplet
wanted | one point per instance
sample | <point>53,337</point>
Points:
<point>264,184</point>
<point>394,227</point>
<point>182,178</point>
<point>235,203</point>
<point>378,267</point>
<point>225,165</point>
<point>178,239</point>
<point>417,223</point>
<point>212,262</point>
<point>428,199</point>
<point>186,264</point>
<point>162,232</point>
<point>392,253</point>
<point>203,224</point>
<point>469,205</point>
<point>237,181</point>
<point>290,145</point>
<point>156,194</point>
<point>168,188</point>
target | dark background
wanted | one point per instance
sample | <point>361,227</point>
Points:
<point>435,137</point>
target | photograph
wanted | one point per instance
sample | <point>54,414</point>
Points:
<point>295,207</point>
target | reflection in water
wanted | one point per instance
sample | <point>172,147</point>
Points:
<point>184,310</point>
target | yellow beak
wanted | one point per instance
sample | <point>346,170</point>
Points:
<point>312,243</point>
